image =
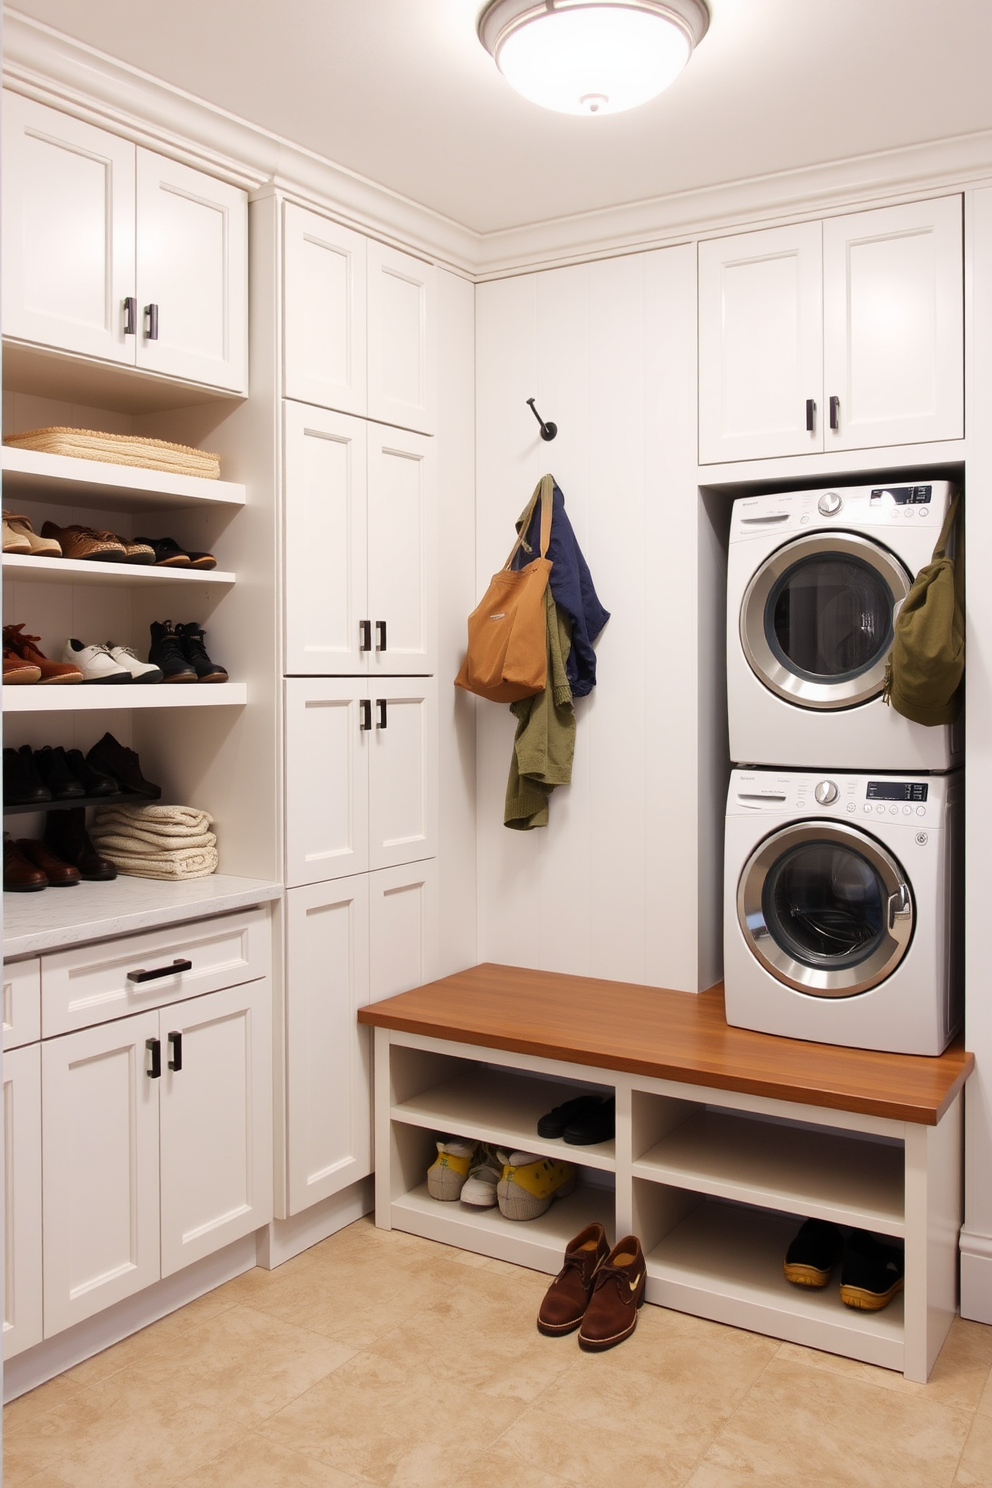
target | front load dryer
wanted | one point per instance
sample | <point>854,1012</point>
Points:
<point>840,907</point>
<point>813,580</point>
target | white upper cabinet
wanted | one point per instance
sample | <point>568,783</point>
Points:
<point>324,312</point>
<point>893,349</point>
<point>841,335</point>
<point>402,544</point>
<point>68,231</point>
<point>401,327</point>
<point>192,274</point>
<point>359,324</point>
<point>111,251</point>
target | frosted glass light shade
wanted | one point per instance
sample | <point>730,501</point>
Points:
<point>591,56</point>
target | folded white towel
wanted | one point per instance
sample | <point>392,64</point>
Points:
<point>131,840</point>
<point>198,863</point>
<point>169,821</point>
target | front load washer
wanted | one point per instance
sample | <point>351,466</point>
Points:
<point>813,580</point>
<point>840,907</point>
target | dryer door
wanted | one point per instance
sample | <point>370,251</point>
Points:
<point>825,909</point>
<point>816,619</point>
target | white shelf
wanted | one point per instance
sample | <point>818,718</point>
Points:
<point>33,475</point>
<point>95,697</point>
<point>538,1243</point>
<point>502,1108</point>
<point>725,1263</point>
<point>20,569</point>
<point>820,1174</point>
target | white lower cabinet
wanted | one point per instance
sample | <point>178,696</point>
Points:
<point>157,1146</point>
<point>22,1312</point>
<point>348,942</point>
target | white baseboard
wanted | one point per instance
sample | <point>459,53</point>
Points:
<point>285,1238</point>
<point>54,1355</point>
<point>976,1277</point>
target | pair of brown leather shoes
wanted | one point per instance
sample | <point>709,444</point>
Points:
<point>28,866</point>
<point>598,1290</point>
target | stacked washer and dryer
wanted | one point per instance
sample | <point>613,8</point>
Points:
<point>843,840</point>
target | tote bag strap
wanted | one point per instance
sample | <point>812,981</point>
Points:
<point>543,492</point>
<point>940,550</point>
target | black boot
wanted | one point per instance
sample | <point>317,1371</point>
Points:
<point>191,640</point>
<point>113,759</point>
<point>53,767</point>
<point>169,655</point>
<point>67,838</point>
<point>22,785</point>
<point>94,782</point>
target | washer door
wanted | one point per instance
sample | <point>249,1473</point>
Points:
<point>816,620</point>
<point>825,908</point>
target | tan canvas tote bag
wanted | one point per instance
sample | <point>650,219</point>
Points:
<point>507,656</point>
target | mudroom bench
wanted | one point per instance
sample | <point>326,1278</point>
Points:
<point>725,1141</point>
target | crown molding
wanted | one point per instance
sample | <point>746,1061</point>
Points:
<point>55,69</point>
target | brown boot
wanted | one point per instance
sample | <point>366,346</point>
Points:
<point>617,1294</point>
<point>567,1297</point>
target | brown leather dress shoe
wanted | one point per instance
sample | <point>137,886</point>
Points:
<point>58,874</point>
<point>618,1292</point>
<point>567,1297</point>
<point>19,876</point>
<point>16,643</point>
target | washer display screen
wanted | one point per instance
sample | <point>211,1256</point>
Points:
<point>897,790</point>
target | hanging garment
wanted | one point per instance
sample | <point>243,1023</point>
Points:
<point>545,739</point>
<point>572,589</point>
<point>926,665</point>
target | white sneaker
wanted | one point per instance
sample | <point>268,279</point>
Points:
<point>141,671</point>
<point>95,662</point>
<point>480,1185</point>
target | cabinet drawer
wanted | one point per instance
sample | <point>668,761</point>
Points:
<point>92,984</point>
<point>21,1002</point>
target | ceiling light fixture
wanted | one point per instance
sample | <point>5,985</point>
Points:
<point>591,56</point>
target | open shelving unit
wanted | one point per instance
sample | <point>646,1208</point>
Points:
<point>33,475</point>
<point>23,569</point>
<point>80,697</point>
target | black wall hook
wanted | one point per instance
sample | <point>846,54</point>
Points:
<point>548,431</point>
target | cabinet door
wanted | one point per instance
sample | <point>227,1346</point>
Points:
<point>68,231</point>
<point>22,1310</point>
<point>324,335</point>
<point>402,771</point>
<point>21,1002</point>
<point>402,566</point>
<point>328,1056</point>
<point>192,265</point>
<point>216,1121</point>
<point>893,325</point>
<point>402,330</point>
<point>101,1170</point>
<point>402,928</point>
<point>328,722</point>
<point>326,593</point>
<point>760,344</point>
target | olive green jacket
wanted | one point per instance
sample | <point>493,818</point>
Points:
<point>545,739</point>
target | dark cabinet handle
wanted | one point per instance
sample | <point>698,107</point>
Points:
<point>176,1046</point>
<point>835,413</point>
<point>381,705</point>
<point>365,626</point>
<point>130,315</point>
<point>160,971</point>
<point>154,1047</point>
<point>366,706</point>
<point>151,313</point>
<point>380,644</point>
<point>810,415</point>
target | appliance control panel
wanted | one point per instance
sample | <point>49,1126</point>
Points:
<point>793,512</point>
<point>896,790</point>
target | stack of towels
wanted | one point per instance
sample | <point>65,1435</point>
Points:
<point>156,841</point>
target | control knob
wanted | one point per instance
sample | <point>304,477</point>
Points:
<point>826,792</point>
<point>829,504</point>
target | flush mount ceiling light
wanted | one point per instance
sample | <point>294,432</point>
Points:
<point>591,56</point>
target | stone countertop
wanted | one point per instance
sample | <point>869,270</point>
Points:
<point>56,918</point>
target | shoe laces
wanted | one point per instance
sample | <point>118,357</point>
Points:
<point>110,648</point>
<point>14,638</point>
<point>170,642</point>
<point>191,637</point>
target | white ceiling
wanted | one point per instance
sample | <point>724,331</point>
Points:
<point>402,92</point>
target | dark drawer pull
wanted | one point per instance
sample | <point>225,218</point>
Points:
<point>160,971</point>
<point>380,644</point>
<point>151,316</point>
<point>365,704</point>
<point>365,626</point>
<point>154,1047</point>
<point>810,415</point>
<point>130,315</point>
<point>176,1044</point>
<point>835,413</point>
<point>381,705</point>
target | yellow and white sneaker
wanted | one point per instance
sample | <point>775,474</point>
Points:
<point>529,1184</point>
<point>447,1173</point>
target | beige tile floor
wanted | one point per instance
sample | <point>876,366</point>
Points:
<point>383,1359</point>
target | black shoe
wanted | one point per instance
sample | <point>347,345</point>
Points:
<point>168,553</point>
<point>53,767</point>
<point>813,1253</point>
<point>67,838</point>
<point>168,653</point>
<point>554,1122</point>
<point>111,758</point>
<point>94,782</point>
<point>597,1125</point>
<point>191,639</point>
<point>872,1272</point>
<point>22,785</point>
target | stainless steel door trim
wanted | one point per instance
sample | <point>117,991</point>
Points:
<point>823,981</point>
<point>762,660</point>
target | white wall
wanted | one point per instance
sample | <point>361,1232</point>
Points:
<point>624,882</point>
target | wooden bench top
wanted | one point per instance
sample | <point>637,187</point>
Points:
<point>670,1036</point>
